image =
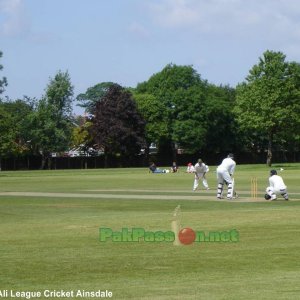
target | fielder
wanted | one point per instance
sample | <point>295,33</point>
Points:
<point>224,175</point>
<point>200,169</point>
<point>190,168</point>
<point>277,186</point>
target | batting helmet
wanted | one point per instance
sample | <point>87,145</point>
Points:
<point>273,172</point>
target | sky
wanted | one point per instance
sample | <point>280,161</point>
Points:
<point>127,41</point>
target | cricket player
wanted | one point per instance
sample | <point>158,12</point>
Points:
<point>190,168</point>
<point>277,186</point>
<point>224,175</point>
<point>200,169</point>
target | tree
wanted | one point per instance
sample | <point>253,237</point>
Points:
<point>12,135</point>
<point>47,133</point>
<point>7,134</point>
<point>117,125</point>
<point>3,81</point>
<point>93,95</point>
<point>59,94</point>
<point>181,93</point>
<point>268,102</point>
<point>152,111</point>
<point>81,137</point>
<point>222,130</point>
<point>291,138</point>
<point>50,124</point>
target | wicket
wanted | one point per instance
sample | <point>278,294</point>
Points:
<point>253,188</point>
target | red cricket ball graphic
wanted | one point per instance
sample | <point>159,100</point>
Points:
<point>187,236</point>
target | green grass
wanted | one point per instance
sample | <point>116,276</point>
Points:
<point>53,242</point>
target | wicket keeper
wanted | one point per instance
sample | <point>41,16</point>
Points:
<point>276,186</point>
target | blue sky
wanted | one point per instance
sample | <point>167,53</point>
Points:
<point>127,41</point>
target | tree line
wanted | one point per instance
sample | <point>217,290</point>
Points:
<point>175,109</point>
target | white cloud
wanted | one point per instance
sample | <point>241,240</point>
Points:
<point>229,26</point>
<point>10,6</point>
<point>174,13</point>
<point>14,20</point>
<point>138,30</point>
<point>230,17</point>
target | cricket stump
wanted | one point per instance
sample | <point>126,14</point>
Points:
<point>176,225</point>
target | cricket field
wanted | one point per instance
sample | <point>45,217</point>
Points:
<point>50,225</point>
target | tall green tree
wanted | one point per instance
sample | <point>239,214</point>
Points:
<point>152,111</point>
<point>13,140</point>
<point>268,102</point>
<point>50,124</point>
<point>59,94</point>
<point>47,133</point>
<point>222,130</point>
<point>117,126</point>
<point>181,92</point>
<point>7,134</point>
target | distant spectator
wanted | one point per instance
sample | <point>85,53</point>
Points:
<point>190,168</point>
<point>154,169</point>
<point>174,167</point>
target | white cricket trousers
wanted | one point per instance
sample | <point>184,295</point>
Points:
<point>222,177</point>
<point>197,178</point>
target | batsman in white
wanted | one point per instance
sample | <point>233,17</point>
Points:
<point>200,169</point>
<point>277,186</point>
<point>224,175</point>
